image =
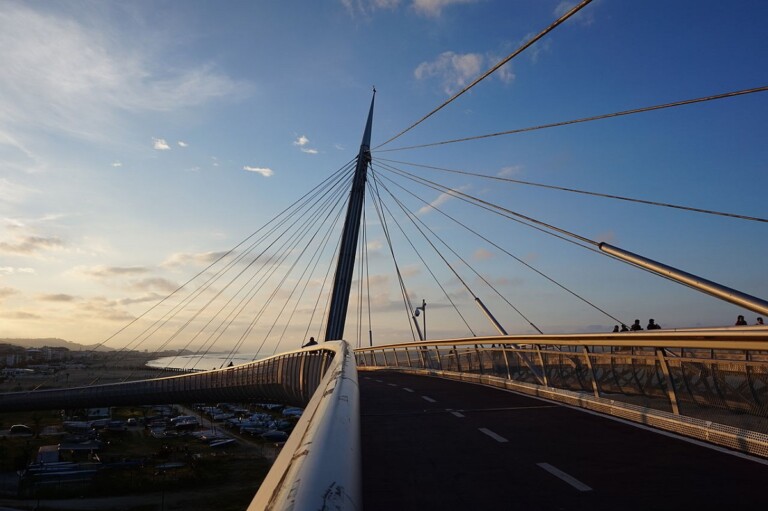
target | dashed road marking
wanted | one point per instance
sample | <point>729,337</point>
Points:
<point>565,477</point>
<point>427,398</point>
<point>407,389</point>
<point>493,435</point>
<point>392,384</point>
<point>457,414</point>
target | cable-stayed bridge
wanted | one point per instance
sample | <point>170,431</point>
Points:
<point>708,384</point>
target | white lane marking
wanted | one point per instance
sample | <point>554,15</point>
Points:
<point>457,414</point>
<point>392,384</point>
<point>379,381</point>
<point>493,435</point>
<point>426,398</point>
<point>407,389</point>
<point>565,477</point>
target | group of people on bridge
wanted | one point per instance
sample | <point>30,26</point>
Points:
<point>740,321</point>
<point>652,325</point>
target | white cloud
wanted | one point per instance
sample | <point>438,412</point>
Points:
<point>160,144</point>
<point>434,8</point>
<point>266,172</point>
<point>367,7</point>
<point>440,200</point>
<point>64,74</point>
<point>10,270</point>
<point>182,144</point>
<point>29,245</point>
<point>482,254</point>
<point>302,142</point>
<point>454,70</point>
<point>512,170</point>
<point>117,164</point>
<point>13,192</point>
<point>183,258</point>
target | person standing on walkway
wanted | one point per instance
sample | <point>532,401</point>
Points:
<point>636,326</point>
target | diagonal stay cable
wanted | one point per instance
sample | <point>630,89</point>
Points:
<point>403,291</point>
<point>498,65</point>
<point>414,218</point>
<point>416,251</point>
<point>584,192</point>
<point>652,108</point>
<point>499,210</point>
<point>519,260</point>
<point>309,202</point>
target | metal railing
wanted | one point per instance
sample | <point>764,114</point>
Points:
<point>289,378</point>
<point>319,466</point>
<point>710,384</point>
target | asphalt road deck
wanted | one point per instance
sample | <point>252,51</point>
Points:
<point>429,443</point>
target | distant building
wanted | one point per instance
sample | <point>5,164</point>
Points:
<point>55,353</point>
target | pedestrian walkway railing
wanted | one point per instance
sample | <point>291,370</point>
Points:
<point>708,384</point>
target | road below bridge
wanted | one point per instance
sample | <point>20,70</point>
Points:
<point>430,443</point>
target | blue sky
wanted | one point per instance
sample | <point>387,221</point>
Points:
<point>138,138</point>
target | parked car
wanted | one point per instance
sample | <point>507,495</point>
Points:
<point>20,429</point>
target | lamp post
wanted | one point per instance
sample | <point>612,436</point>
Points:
<point>423,311</point>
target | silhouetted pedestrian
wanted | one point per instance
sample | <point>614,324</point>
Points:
<point>652,325</point>
<point>311,342</point>
<point>624,328</point>
<point>759,321</point>
<point>615,329</point>
<point>740,321</point>
<point>636,326</point>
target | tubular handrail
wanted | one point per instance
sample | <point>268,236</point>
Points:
<point>319,466</point>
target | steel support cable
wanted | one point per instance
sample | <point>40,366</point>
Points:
<point>418,254</point>
<point>211,265</point>
<point>316,257</point>
<point>415,179</point>
<point>714,97</point>
<point>361,244</point>
<point>297,206</point>
<point>376,199</point>
<point>300,204</point>
<point>284,250</point>
<point>496,67</point>
<point>499,210</point>
<point>487,240</point>
<point>311,199</point>
<point>290,243</point>
<point>321,245</point>
<point>237,276</point>
<point>584,192</point>
<point>367,280</point>
<point>336,201</point>
<point>279,286</point>
<point>415,218</point>
<point>325,308</point>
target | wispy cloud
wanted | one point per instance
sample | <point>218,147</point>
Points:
<point>63,74</point>
<point>61,297</point>
<point>160,144</point>
<point>117,164</point>
<point>482,254</point>
<point>512,170</point>
<point>5,292</point>
<point>29,245</point>
<point>185,258</point>
<point>182,143</point>
<point>302,142</point>
<point>264,171</point>
<point>454,71</point>
<point>112,271</point>
<point>440,200</point>
<point>10,270</point>
<point>434,8</point>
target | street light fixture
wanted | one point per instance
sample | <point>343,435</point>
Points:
<point>416,312</point>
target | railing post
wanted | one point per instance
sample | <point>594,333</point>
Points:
<point>543,369</point>
<point>506,361</point>
<point>439,360</point>
<point>408,357</point>
<point>595,388</point>
<point>669,383</point>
